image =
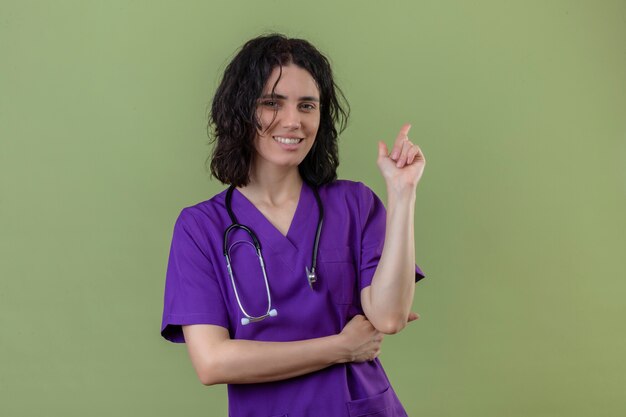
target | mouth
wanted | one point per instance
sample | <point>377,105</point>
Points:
<point>287,141</point>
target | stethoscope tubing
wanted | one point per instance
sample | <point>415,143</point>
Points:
<point>248,317</point>
<point>311,275</point>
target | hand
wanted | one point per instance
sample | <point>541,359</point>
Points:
<point>361,340</point>
<point>402,168</point>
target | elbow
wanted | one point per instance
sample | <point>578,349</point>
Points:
<point>208,382</point>
<point>389,322</point>
<point>391,326</point>
<point>210,378</point>
<point>207,379</point>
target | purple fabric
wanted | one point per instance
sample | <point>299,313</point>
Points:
<point>198,290</point>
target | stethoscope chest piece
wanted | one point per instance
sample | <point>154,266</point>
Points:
<point>311,276</point>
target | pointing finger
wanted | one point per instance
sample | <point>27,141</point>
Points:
<point>404,131</point>
<point>402,136</point>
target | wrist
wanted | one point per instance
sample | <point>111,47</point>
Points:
<point>340,352</point>
<point>400,197</point>
<point>401,191</point>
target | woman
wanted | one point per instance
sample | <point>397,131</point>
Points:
<point>297,330</point>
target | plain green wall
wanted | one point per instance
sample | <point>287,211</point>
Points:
<point>520,108</point>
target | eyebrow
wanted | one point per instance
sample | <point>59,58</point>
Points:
<point>281,97</point>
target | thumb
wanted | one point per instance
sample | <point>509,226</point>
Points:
<point>382,149</point>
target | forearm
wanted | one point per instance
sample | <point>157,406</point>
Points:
<point>393,284</point>
<point>249,361</point>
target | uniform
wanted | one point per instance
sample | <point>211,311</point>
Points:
<point>198,290</point>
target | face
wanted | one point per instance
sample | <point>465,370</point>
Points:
<point>289,117</point>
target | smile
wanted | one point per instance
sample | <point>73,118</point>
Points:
<point>287,141</point>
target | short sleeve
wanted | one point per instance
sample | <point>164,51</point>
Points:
<point>373,222</point>
<point>192,293</point>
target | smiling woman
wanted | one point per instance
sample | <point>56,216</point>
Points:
<point>249,94</point>
<point>285,304</point>
<point>288,113</point>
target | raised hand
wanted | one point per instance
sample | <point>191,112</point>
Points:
<point>403,167</point>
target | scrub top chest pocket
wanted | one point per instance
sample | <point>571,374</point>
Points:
<point>337,272</point>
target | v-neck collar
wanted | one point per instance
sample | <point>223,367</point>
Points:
<point>287,247</point>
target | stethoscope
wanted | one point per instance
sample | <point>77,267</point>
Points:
<point>310,273</point>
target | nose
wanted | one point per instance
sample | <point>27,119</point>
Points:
<point>291,118</point>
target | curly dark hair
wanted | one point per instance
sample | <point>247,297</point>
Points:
<point>233,119</point>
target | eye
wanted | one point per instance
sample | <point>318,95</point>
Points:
<point>270,103</point>
<point>307,106</point>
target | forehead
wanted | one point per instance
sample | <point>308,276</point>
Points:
<point>294,81</point>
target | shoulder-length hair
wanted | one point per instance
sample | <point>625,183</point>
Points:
<point>233,118</point>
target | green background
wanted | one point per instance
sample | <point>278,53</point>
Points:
<point>519,107</point>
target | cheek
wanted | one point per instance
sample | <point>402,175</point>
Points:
<point>260,142</point>
<point>268,119</point>
<point>264,119</point>
<point>314,123</point>
<point>316,129</point>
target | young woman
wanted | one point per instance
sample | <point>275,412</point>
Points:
<point>283,285</point>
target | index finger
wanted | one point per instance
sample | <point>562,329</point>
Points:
<point>397,146</point>
<point>404,131</point>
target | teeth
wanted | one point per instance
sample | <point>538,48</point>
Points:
<point>287,141</point>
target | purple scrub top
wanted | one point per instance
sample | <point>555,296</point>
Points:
<point>198,291</point>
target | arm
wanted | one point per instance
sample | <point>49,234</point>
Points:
<point>217,359</point>
<point>387,301</point>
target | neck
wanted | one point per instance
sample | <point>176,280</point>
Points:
<point>273,185</point>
